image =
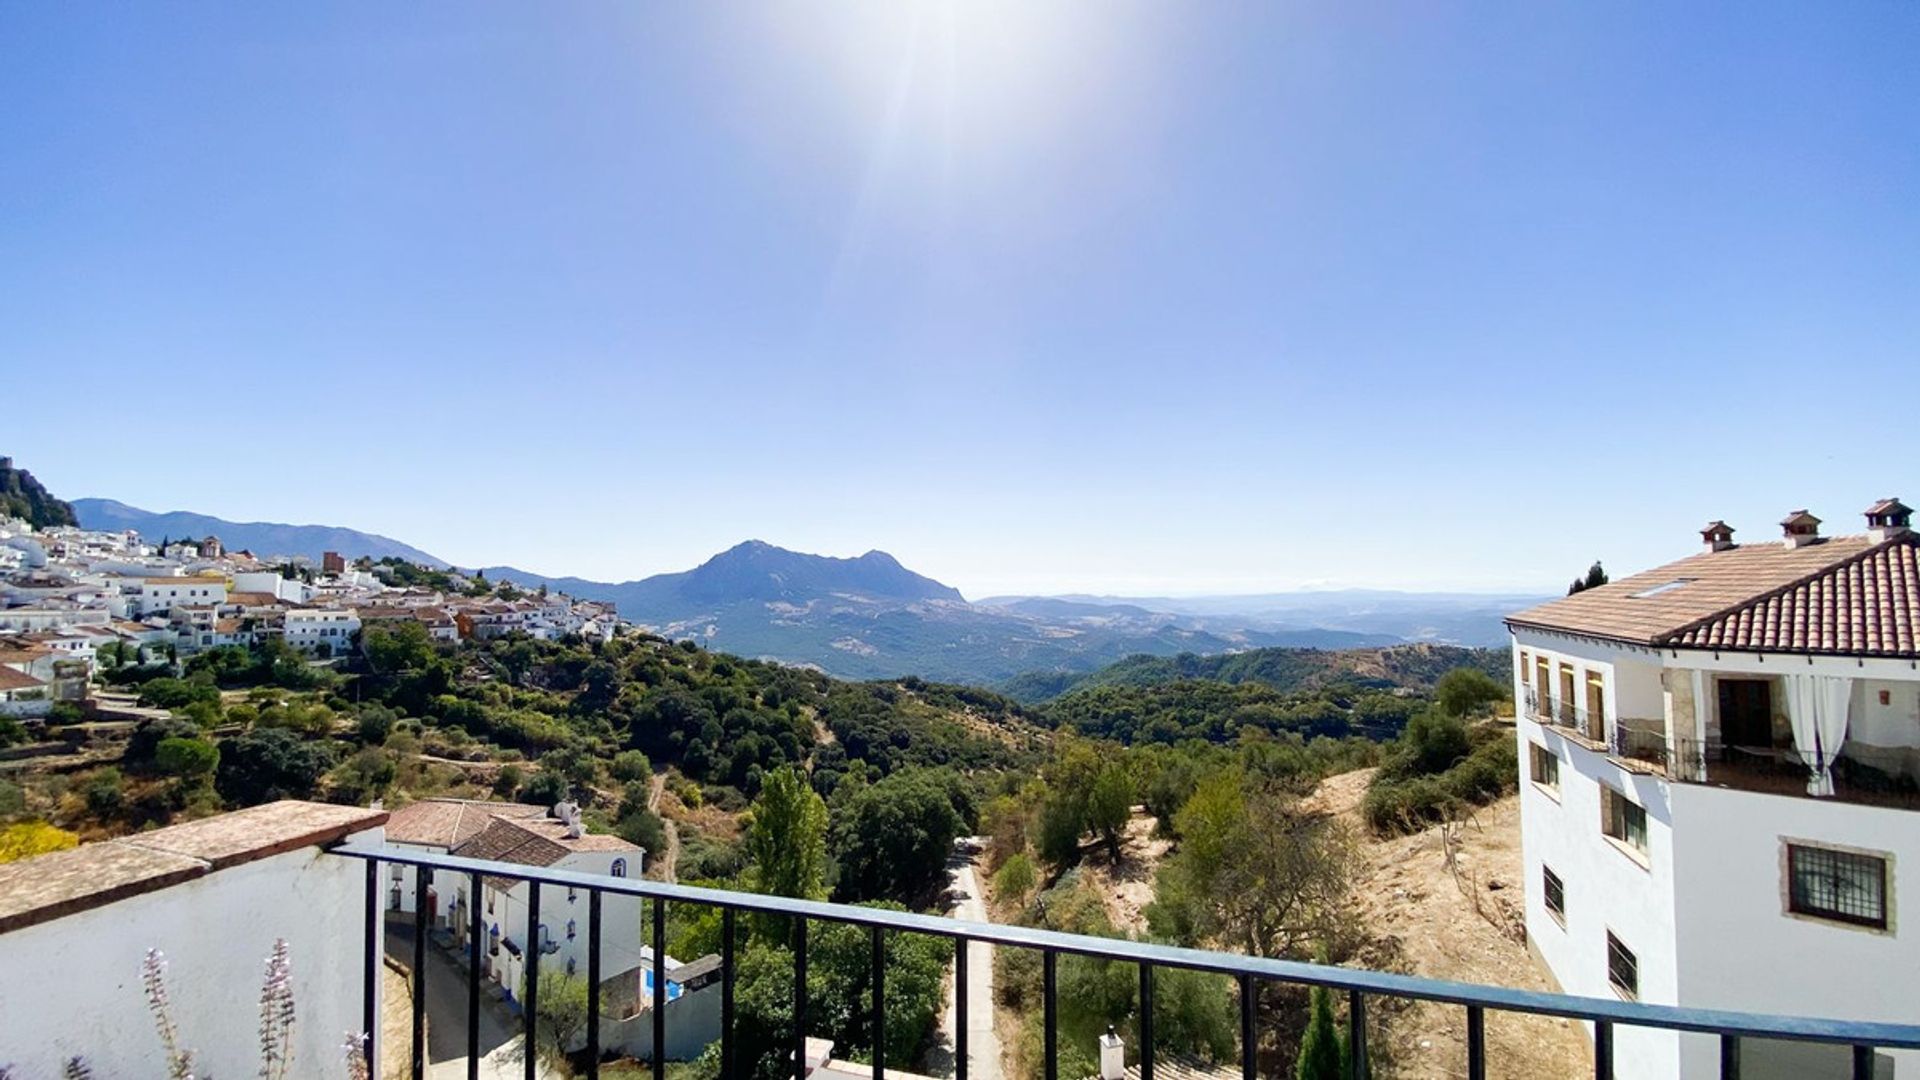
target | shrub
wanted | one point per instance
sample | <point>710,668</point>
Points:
<point>30,838</point>
<point>1015,879</point>
<point>104,792</point>
<point>631,765</point>
<point>191,758</point>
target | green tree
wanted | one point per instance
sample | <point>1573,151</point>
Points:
<point>1109,805</point>
<point>1596,577</point>
<point>188,759</point>
<point>631,765</point>
<point>893,838</point>
<point>1467,692</point>
<point>267,764</point>
<point>1014,880</point>
<point>1323,1052</point>
<point>787,837</point>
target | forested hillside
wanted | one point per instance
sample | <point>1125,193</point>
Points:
<point>21,496</point>
<point>1408,667</point>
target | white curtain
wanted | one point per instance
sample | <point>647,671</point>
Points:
<point>1817,706</point>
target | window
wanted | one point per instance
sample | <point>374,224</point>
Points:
<point>619,868</point>
<point>1545,766</point>
<point>489,901</point>
<point>1623,968</point>
<point>572,929</point>
<point>1623,819</point>
<point>1838,885</point>
<point>1555,893</point>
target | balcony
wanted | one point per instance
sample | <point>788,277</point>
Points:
<point>1779,770</point>
<point>1359,987</point>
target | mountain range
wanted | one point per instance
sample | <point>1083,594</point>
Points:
<point>263,538</point>
<point>870,617</point>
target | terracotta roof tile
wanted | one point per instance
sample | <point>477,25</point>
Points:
<point>1843,596</point>
<point>448,823</point>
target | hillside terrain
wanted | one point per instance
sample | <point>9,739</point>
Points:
<point>260,537</point>
<point>1411,667</point>
<point>23,497</point>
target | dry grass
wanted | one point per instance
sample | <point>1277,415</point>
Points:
<point>1457,918</point>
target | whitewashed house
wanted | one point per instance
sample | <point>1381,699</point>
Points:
<point>1721,789</point>
<point>317,630</point>
<point>158,595</point>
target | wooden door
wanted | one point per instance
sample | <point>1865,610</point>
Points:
<point>1746,712</point>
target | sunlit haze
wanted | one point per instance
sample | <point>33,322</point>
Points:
<point>1118,298</point>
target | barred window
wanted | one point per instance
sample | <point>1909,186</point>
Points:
<point>1555,893</point>
<point>1838,885</point>
<point>1623,819</point>
<point>1623,968</point>
<point>1546,767</point>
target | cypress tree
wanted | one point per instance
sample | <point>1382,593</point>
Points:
<point>1321,1048</point>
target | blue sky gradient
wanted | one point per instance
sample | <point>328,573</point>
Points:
<point>1134,298</point>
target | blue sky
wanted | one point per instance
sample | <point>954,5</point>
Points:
<point>1136,298</point>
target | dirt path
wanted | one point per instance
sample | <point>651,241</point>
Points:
<point>1456,925</point>
<point>983,1041</point>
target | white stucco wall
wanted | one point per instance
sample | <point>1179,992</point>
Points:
<point>72,986</point>
<point>1740,949</point>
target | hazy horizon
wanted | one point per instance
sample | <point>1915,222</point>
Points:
<point>1041,299</point>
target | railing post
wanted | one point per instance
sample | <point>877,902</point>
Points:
<point>726,993</point>
<point>879,1003</point>
<point>1146,1022</point>
<point>1050,1014</point>
<point>593,984</point>
<point>659,989</point>
<point>1603,1050</point>
<point>476,933</point>
<point>800,998</point>
<point>1476,1043</point>
<point>1358,1066</point>
<point>1863,1063</point>
<point>960,948</point>
<point>1249,1041</point>
<point>1729,1056</point>
<point>422,881</point>
<point>531,951</point>
<point>370,969</point>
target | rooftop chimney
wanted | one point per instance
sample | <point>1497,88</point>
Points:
<point>1800,529</point>
<point>1718,535</point>
<point>1888,518</point>
<point>1113,1056</point>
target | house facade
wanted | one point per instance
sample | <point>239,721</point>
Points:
<point>1720,764</point>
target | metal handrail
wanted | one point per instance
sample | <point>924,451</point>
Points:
<point>1604,1013</point>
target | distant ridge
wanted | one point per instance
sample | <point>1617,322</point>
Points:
<point>263,538</point>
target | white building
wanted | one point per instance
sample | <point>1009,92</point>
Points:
<point>309,629</point>
<point>158,595</point>
<point>1721,789</point>
<point>212,895</point>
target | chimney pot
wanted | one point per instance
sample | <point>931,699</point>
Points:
<point>1800,529</point>
<point>1888,518</point>
<point>1718,536</point>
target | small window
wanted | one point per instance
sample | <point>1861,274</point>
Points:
<point>1555,893</point>
<point>1545,766</point>
<point>1623,819</point>
<point>1838,885</point>
<point>572,929</point>
<point>619,868</point>
<point>1623,968</point>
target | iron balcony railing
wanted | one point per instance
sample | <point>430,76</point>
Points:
<point>1605,1014</point>
<point>1639,742</point>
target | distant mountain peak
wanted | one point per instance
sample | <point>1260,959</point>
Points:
<point>755,570</point>
<point>263,538</point>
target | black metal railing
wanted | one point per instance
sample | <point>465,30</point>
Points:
<point>1780,771</point>
<point>1604,1014</point>
<point>1639,741</point>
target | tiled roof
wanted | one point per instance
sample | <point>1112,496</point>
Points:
<point>448,823</point>
<point>538,841</point>
<point>1843,596</point>
<point>11,679</point>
